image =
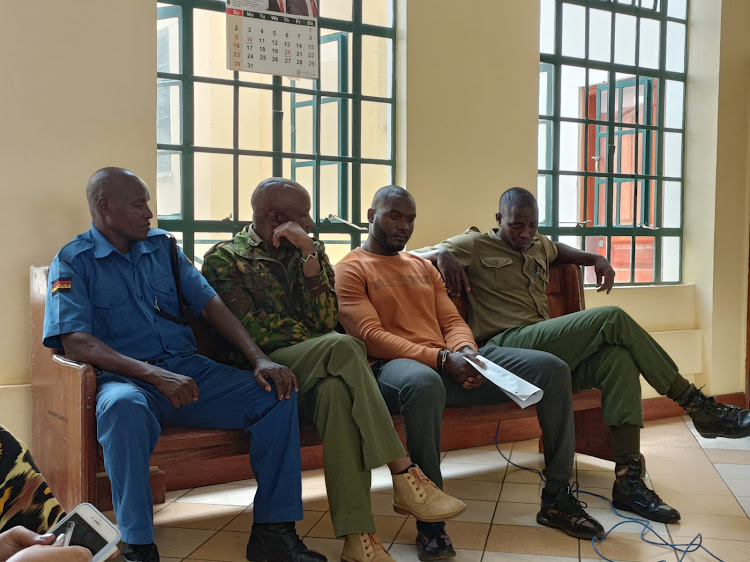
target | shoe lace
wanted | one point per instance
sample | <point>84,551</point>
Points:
<point>371,544</point>
<point>572,508</point>
<point>420,481</point>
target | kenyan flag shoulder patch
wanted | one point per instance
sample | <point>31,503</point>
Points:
<point>61,285</point>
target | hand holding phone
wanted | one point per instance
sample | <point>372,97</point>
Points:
<point>85,526</point>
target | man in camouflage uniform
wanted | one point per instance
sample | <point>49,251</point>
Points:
<point>278,281</point>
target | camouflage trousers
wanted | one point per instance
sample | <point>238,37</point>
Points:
<point>338,391</point>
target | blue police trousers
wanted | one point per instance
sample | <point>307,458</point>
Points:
<point>129,414</point>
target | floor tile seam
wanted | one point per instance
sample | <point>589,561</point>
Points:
<point>395,536</point>
<point>202,544</point>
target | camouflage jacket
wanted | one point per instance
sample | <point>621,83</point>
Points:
<point>276,303</point>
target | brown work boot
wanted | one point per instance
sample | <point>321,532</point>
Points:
<point>364,547</point>
<point>415,494</point>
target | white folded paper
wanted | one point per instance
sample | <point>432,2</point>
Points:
<point>520,391</point>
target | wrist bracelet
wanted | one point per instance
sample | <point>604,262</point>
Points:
<point>443,357</point>
<point>313,255</point>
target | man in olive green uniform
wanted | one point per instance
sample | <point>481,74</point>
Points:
<point>505,273</point>
<point>278,281</point>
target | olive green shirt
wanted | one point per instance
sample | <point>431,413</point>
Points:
<point>271,297</point>
<point>508,288</point>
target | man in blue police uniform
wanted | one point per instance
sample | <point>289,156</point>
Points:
<point>118,298</point>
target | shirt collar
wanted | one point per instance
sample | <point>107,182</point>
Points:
<point>247,242</point>
<point>103,247</point>
<point>495,235</point>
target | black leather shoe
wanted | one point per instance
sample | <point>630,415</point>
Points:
<point>563,511</point>
<point>278,542</point>
<point>629,493</point>
<point>712,419</point>
<point>140,552</point>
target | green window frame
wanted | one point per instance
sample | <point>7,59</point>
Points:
<point>176,152</point>
<point>628,175</point>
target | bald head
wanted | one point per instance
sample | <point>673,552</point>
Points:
<point>387,193</point>
<point>276,201</point>
<point>107,183</point>
<point>516,198</point>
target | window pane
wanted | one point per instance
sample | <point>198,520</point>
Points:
<point>329,189</point>
<point>213,115</point>
<point>543,190</point>
<point>168,38</point>
<point>571,146</point>
<point>373,178</point>
<point>204,241</point>
<point>648,45</point>
<point>213,186</point>
<point>574,31</point>
<point>376,130</point>
<point>210,44</point>
<point>598,149</point>
<point>647,152</point>
<point>624,154</point>
<point>547,27</point>
<point>331,135</point>
<point>595,202</point>
<point>670,259</point>
<point>595,245</point>
<point>569,200</point>
<point>625,39</point>
<point>644,259</point>
<point>168,112</point>
<point>338,9</point>
<point>674,104</point>
<point>600,35</point>
<point>572,241</point>
<point>544,143</point>
<point>677,9</point>
<point>335,57</point>
<point>252,171</point>
<point>675,47</point>
<point>169,183</point>
<point>622,203</point>
<point>377,66</point>
<point>673,154</point>
<point>572,93</point>
<point>620,257</point>
<point>299,128</point>
<point>254,123</point>
<point>672,204</point>
<point>377,12</point>
<point>546,89</point>
<point>598,95</point>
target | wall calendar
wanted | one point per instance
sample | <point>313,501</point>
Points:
<point>273,37</point>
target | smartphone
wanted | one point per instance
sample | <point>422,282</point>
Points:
<point>86,526</point>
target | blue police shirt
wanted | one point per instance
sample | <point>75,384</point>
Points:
<point>93,288</point>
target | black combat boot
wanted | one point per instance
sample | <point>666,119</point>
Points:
<point>140,552</point>
<point>563,511</point>
<point>278,542</point>
<point>630,493</point>
<point>713,419</point>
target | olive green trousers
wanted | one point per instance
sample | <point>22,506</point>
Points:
<point>605,349</point>
<point>338,392</point>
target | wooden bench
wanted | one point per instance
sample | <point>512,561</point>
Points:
<point>68,454</point>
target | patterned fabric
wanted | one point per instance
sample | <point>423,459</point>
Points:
<point>25,497</point>
<point>271,296</point>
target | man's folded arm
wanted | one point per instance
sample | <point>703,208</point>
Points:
<point>361,320</point>
<point>456,332</point>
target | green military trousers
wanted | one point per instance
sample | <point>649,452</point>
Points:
<point>605,349</point>
<point>338,391</point>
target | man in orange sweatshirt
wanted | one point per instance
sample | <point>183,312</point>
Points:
<point>397,304</point>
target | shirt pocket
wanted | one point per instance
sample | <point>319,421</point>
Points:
<point>114,315</point>
<point>165,294</point>
<point>542,270</point>
<point>492,268</point>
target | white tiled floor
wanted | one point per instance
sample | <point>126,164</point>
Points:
<point>708,480</point>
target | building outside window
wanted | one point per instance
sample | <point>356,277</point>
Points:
<point>219,133</point>
<point>612,132</point>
